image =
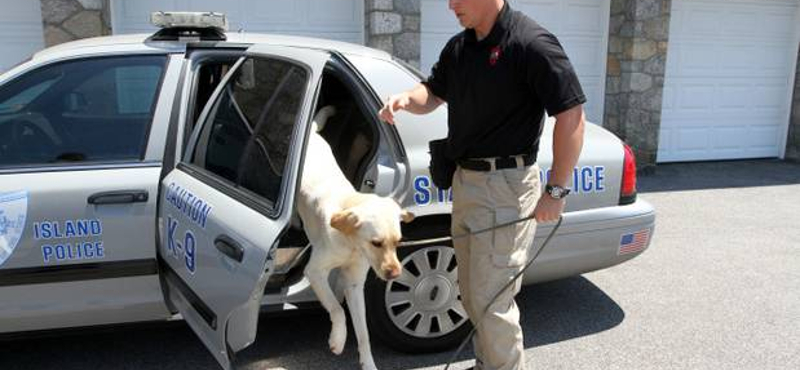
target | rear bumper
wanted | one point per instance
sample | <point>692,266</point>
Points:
<point>589,240</point>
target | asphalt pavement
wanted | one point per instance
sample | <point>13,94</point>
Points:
<point>719,288</point>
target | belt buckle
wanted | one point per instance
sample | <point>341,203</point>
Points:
<point>519,162</point>
<point>492,164</point>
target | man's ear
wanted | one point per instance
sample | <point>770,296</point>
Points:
<point>345,221</point>
<point>406,216</point>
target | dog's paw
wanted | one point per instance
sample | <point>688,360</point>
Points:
<point>337,345</point>
<point>368,365</point>
<point>337,338</point>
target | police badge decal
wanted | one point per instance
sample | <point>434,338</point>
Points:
<point>13,210</point>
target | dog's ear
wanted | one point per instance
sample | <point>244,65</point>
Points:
<point>345,221</point>
<point>406,216</point>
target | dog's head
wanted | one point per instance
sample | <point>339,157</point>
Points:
<point>374,223</point>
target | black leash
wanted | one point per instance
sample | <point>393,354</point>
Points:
<point>503,289</point>
<point>413,243</point>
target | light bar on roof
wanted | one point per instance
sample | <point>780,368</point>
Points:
<point>189,20</point>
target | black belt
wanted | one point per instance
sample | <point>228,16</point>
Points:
<point>500,163</point>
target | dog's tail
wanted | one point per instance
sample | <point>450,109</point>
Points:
<point>322,117</point>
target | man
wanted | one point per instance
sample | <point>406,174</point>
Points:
<point>499,76</point>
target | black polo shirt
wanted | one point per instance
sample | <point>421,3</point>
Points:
<point>497,89</point>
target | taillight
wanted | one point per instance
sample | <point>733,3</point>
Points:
<point>628,193</point>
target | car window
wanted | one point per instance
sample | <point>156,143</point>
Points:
<point>18,102</point>
<point>89,110</point>
<point>245,138</point>
<point>133,89</point>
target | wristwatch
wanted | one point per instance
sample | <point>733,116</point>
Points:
<point>556,192</point>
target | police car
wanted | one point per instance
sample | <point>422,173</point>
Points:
<point>146,176</point>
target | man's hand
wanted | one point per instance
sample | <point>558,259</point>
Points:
<point>418,100</point>
<point>548,209</point>
<point>393,104</point>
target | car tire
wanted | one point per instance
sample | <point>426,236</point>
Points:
<point>421,311</point>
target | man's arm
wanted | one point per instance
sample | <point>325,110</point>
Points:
<point>418,100</point>
<point>567,144</point>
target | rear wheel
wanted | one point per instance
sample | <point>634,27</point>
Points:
<point>420,311</point>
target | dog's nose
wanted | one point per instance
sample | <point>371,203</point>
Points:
<point>392,273</point>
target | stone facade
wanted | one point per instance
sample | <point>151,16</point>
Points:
<point>793,138</point>
<point>394,26</point>
<point>637,54</point>
<point>637,57</point>
<point>68,20</point>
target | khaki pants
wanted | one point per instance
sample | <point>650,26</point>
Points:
<point>487,261</point>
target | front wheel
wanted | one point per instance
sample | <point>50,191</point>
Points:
<point>421,310</point>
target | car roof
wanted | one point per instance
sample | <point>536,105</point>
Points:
<point>140,42</point>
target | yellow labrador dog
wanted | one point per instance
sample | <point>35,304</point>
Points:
<point>350,231</point>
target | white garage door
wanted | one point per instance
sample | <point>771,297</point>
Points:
<point>580,25</point>
<point>20,31</point>
<point>728,81</point>
<point>333,19</point>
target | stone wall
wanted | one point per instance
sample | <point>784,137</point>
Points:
<point>637,56</point>
<point>793,138</point>
<point>394,26</point>
<point>68,20</point>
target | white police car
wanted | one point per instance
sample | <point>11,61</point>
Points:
<point>149,175</point>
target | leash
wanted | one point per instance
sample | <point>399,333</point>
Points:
<point>503,289</point>
<point>443,239</point>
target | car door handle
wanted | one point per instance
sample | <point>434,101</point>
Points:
<point>119,197</point>
<point>230,248</point>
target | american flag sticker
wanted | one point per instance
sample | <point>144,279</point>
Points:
<point>633,242</point>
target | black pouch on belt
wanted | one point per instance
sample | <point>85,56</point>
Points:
<point>441,167</point>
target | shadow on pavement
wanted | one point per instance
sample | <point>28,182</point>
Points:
<point>566,309</point>
<point>717,175</point>
<point>551,312</point>
<point>163,345</point>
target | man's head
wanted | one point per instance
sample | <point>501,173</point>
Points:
<point>477,14</point>
<point>374,223</point>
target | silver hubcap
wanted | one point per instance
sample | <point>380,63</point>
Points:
<point>424,301</point>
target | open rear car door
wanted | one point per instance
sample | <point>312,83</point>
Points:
<point>226,204</point>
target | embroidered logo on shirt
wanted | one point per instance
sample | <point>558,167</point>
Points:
<point>494,55</point>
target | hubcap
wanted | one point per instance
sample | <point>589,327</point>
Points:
<point>424,301</point>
